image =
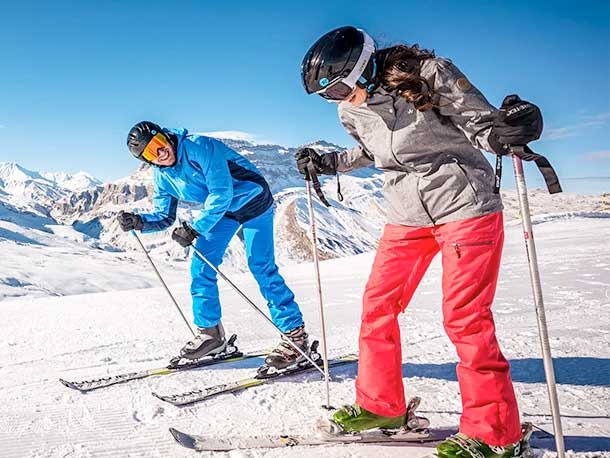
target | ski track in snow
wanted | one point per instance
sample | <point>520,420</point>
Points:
<point>90,335</point>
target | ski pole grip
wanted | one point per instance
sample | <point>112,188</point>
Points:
<point>516,150</point>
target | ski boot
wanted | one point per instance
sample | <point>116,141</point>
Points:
<point>461,446</point>
<point>230,351</point>
<point>353,419</point>
<point>284,356</point>
<point>208,342</point>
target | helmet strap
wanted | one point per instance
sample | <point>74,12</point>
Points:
<point>368,79</point>
<point>173,139</point>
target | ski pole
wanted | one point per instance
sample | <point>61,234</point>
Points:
<point>314,242</point>
<point>249,301</point>
<point>163,282</point>
<point>538,302</point>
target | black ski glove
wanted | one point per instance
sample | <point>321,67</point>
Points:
<point>184,234</point>
<point>325,164</point>
<point>518,122</point>
<point>130,221</point>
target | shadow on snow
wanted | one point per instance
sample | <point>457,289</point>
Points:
<point>582,371</point>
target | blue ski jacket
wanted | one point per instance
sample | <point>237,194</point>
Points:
<point>206,171</point>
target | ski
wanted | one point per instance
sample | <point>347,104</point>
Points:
<point>176,364</point>
<point>192,397</point>
<point>404,437</point>
<point>426,438</point>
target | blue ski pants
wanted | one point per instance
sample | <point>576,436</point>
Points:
<point>260,253</point>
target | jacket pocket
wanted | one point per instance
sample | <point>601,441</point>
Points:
<point>465,175</point>
<point>403,202</point>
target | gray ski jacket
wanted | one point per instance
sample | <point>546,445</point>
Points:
<point>433,169</point>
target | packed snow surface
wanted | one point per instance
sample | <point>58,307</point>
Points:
<point>84,336</point>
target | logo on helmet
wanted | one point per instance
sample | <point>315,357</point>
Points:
<point>463,84</point>
<point>324,82</point>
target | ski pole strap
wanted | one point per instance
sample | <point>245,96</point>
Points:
<point>313,176</point>
<point>498,177</point>
<point>551,179</point>
<point>339,195</point>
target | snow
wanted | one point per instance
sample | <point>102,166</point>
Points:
<point>73,182</point>
<point>231,135</point>
<point>128,324</point>
<point>13,173</point>
<point>349,227</point>
<point>27,191</point>
<point>79,300</point>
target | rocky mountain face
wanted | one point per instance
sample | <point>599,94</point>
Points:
<point>38,191</point>
<point>90,207</point>
<point>347,227</point>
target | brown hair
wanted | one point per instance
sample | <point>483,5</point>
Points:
<point>399,68</point>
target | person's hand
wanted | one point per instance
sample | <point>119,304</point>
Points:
<point>129,221</point>
<point>323,164</point>
<point>184,235</point>
<point>518,122</point>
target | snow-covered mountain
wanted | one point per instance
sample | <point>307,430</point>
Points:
<point>38,191</point>
<point>343,229</point>
<point>72,213</point>
<point>73,182</point>
<point>28,190</point>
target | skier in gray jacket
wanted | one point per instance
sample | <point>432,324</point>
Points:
<point>420,120</point>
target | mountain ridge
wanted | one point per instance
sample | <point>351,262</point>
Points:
<point>348,227</point>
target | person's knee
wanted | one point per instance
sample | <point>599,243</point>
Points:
<point>379,301</point>
<point>467,326</point>
<point>374,309</point>
<point>262,268</point>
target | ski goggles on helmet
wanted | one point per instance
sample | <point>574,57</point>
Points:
<point>341,87</point>
<point>151,151</point>
<point>336,91</point>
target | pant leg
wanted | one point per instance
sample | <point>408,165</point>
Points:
<point>204,287</point>
<point>260,253</point>
<point>471,251</point>
<point>402,258</point>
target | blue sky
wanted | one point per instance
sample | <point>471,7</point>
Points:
<point>75,76</point>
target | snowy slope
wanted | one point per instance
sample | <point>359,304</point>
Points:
<point>89,335</point>
<point>49,226</point>
<point>347,228</point>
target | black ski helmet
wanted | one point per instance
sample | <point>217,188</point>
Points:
<point>140,135</point>
<point>338,61</point>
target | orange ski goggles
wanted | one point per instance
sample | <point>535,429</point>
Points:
<point>150,152</point>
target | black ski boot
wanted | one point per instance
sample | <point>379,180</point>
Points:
<point>208,342</point>
<point>285,355</point>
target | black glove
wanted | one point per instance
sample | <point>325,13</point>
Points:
<point>184,234</point>
<point>325,164</point>
<point>518,122</point>
<point>129,221</point>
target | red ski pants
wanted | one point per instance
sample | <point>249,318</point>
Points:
<point>471,251</point>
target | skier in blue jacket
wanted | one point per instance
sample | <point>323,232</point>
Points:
<point>234,194</point>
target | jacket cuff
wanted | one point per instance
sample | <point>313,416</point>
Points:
<point>495,145</point>
<point>329,163</point>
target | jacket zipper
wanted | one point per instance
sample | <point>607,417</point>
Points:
<point>458,245</point>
